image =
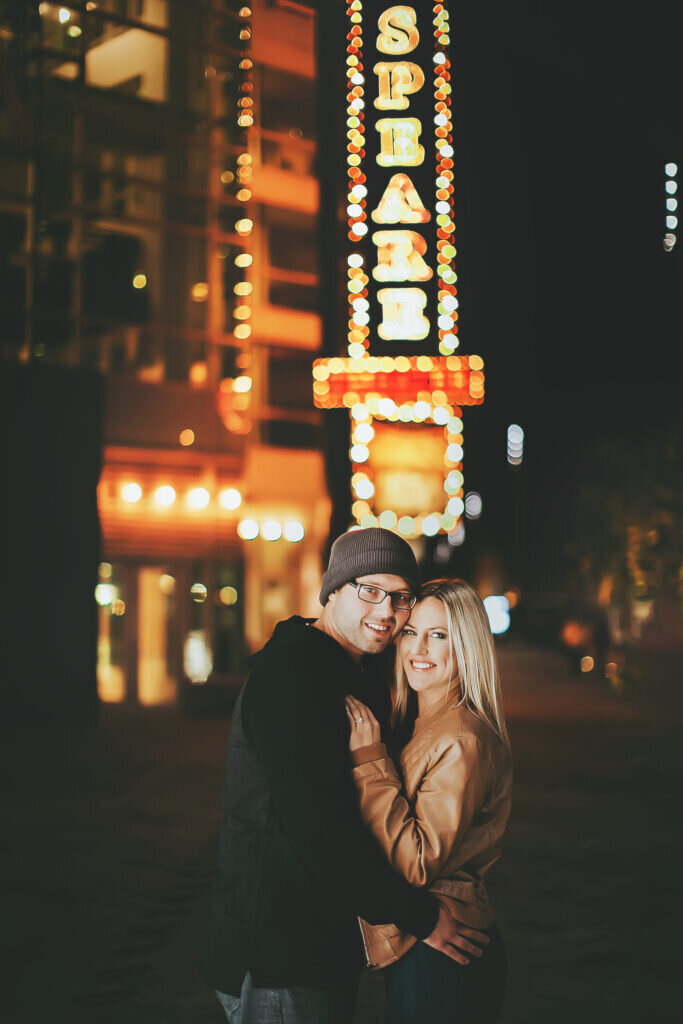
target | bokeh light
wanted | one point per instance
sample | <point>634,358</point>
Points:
<point>271,530</point>
<point>248,529</point>
<point>473,505</point>
<point>294,531</point>
<point>230,498</point>
<point>165,495</point>
<point>131,492</point>
<point>498,612</point>
<point>198,497</point>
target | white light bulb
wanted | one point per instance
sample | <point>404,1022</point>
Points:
<point>271,530</point>
<point>230,498</point>
<point>294,531</point>
<point>198,497</point>
<point>248,529</point>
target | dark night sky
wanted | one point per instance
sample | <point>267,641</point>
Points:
<point>564,118</point>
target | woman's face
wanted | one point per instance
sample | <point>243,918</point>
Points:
<point>424,649</point>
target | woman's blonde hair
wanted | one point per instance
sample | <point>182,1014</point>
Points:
<point>473,663</point>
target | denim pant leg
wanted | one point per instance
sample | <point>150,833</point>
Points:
<point>254,1006</point>
<point>425,985</point>
<point>232,1007</point>
<point>296,1005</point>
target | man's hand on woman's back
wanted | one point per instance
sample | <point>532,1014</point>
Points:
<point>455,939</point>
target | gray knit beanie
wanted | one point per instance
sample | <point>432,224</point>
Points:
<point>362,552</point>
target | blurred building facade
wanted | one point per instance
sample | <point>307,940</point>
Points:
<point>158,224</point>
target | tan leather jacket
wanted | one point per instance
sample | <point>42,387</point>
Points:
<point>441,821</point>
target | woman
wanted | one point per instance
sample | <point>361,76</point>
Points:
<point>441,818</point>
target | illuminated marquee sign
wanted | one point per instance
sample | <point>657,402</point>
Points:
<point>401,277</point>
<point>400,172</point>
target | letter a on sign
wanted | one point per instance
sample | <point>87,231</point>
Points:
<point>397,30</point>
<point>400,203</point>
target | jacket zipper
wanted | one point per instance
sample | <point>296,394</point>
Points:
<point>368,961</point>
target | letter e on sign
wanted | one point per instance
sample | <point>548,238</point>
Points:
<point>399,142</point>
<point>402,314</point>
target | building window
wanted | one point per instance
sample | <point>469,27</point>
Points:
<point>293,259</point>
<point>289,394</point>
<point>288,121</point>
<point>12,281</point>
<point>289,380</point>
<point>288,103</point>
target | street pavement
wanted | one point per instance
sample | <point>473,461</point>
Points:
<point>110,838</point>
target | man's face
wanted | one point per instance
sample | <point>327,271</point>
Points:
<point>364,628</point>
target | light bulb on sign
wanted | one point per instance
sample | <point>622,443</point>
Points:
<point>365,489</point>
<point>430,525</point>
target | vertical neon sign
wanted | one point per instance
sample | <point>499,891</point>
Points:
<point>400,171</point>
<point>401,277</point>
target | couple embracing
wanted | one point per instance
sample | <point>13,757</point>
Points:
<point>359,819</point>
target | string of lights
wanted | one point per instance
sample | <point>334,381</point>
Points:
<point>671,205</point>
<point>358,329</point>
<point>445,213</point>
<point>234,396</point>
<point>199,500</point>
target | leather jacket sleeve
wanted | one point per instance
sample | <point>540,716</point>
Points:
<point>419,836</point>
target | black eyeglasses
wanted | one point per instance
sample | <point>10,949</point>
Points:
<point>375,595</point>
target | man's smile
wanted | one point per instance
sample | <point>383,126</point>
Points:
<point>379,628</point>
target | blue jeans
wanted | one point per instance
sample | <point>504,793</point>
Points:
<point>297,1005</point>
<point>427,986</point>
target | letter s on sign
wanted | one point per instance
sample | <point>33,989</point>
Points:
<point>398,30</point>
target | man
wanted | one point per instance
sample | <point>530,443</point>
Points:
<point>296,866</point>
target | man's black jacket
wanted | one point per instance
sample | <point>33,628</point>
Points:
<point>295,863</point>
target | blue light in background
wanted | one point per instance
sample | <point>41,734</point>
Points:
<point>498,610</point>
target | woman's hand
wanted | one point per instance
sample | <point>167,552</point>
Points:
<point>364,726</point>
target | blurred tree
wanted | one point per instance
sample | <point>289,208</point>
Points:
<point>627,536</point>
